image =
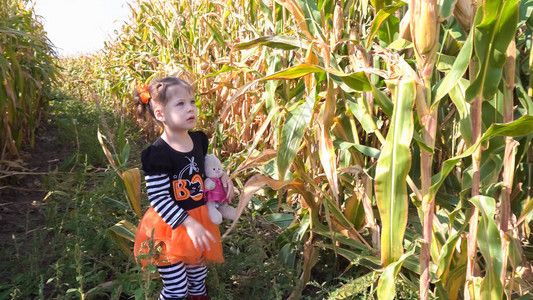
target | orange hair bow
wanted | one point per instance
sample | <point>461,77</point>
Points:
<point>143,93</point>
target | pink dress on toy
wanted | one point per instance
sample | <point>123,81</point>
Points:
<point>217,194</point>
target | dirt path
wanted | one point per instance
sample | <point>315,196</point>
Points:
<point>23,188</point>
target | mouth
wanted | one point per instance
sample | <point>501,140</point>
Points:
<point>190,119</point>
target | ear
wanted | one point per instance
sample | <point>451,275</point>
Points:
<point>158,113</point>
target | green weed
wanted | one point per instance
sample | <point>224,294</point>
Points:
<point>71,256</point>
<point>252,268</point>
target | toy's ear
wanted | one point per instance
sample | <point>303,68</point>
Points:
<point>209,159</point>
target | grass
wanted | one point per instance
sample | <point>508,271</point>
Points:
<point>69,253</point>
<point>252,268</point>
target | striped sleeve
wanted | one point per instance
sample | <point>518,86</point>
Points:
<point>158,189</point>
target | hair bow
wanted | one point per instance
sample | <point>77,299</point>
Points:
<point>143,93</point>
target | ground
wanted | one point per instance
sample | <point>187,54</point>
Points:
<point>22,191</point>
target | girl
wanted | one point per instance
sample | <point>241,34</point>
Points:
<point>176,232</point>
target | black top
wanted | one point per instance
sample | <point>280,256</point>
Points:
<point>185,170</point>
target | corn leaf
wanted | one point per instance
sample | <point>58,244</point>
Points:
<point>496,24</point>
<point>270,97</point>
<point>338,237</point>
<point>256,182</point>
<point>525,212</point>
<point>293,131</point>
<point>447,254</point>
<point>457,95</point>
<point>520,127</point>
<point>523,97</point>
<point>515,251</point>
<point>526,8</point>
<point>386,286</point>
<point>359,109</point>
<point>297,13</point>
<point>446,8</point>
<point>107,153</point>
<point>122,232</point>
<point>490,246</point>
<point>391,173</point>
<point>354,286</point>
<point>456,279</point>
<point>326,150</point>
<point>456,73</point>
<point>368,151</point>
<point>312,16</point>
<point>276,42</point>
<point>254,161</point>
<point>294,72</point>
<point>382,100</point>
<point>354,211</point>
<point>132,181</point>
<point>382,15</point>
<point>357,81</point>
<point>259,134</point>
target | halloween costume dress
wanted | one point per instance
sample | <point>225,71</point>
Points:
<point>175,187</point>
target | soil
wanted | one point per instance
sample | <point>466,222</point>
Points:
<point>22,188</point>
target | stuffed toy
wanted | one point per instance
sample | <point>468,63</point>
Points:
<point>217,204</point>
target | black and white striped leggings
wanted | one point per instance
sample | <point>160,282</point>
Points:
<point>180,280</point>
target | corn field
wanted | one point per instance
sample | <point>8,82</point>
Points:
<point>395,134</point>
<point>26,71</point>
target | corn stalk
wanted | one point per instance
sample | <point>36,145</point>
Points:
<point>317,98</point>
<point>498,19</point>
<point>26,72</point>
<point>425,35</point>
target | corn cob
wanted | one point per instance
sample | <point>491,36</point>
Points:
<point>424,26</point>
<point>464,13</point>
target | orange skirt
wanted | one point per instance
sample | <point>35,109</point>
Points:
<point>156,240</point>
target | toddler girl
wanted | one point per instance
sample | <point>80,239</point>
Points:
<point>176,232</point>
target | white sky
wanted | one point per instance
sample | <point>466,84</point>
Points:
<point>81,26</point>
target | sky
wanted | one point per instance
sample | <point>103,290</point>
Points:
<point>81,26</point>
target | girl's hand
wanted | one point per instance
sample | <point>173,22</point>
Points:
<point>199,235</point>
<point>228,186</point>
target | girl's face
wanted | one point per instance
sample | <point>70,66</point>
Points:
<point>180,112</point>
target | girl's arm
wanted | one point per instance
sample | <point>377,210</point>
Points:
<point>158,187</point>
